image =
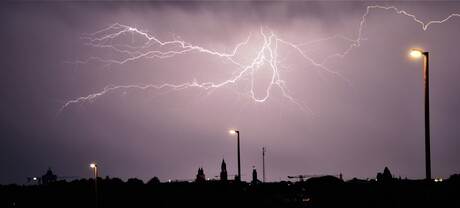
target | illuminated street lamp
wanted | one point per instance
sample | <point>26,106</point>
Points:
<point>417,53</point>
<point>232,131</point>
<point>94,166</point>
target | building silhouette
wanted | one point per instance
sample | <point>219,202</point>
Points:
<point>200,176</point>
<point>254,176</point>
<point>49,177</point>
<point>315,191</point>
<point>386,176</point>
<point>223,171</point>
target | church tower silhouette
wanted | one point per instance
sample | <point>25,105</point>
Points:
<point>223,171</point>
<point>200,177</point>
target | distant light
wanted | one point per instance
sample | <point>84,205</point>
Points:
<point>232,131</point>
<point>93,165</point>
<point>35,178</point>
<point>416,53</point>
<point>169,180</point>
<point>438,180</point>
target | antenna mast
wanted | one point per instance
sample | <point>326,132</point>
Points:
<point>263,162</point>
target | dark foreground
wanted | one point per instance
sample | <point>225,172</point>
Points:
<point>325,191</point>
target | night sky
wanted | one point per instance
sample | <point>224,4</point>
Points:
<point>150,89</point>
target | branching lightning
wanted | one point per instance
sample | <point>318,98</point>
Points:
<point>266,54</point>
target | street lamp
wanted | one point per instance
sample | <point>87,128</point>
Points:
<point>94,166</point>
<point>232,131</point>
<point>418,53</point>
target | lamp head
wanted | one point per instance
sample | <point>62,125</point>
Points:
<point>233,131</point>
<point>416,53</point>
<point>93,165</point>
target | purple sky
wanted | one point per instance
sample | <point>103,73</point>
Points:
<point>66,102</point>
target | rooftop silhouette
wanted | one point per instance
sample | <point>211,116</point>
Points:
<point>320,191</point>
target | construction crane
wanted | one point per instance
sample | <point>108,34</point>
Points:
<point>67,177</point>
<point>302,177</point>
<point>233,175</point>
<point>181,180</point>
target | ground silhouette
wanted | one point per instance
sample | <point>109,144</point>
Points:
<point>326,191</point>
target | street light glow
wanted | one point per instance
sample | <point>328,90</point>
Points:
<point>93,165</point>
<point>232,131</point>
<point>416,53</point>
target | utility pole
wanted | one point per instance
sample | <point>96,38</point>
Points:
<point>263,162</point>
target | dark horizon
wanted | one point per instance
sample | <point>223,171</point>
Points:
<point>52,177</point>
<point>324,191</point>
<point>149,89</point>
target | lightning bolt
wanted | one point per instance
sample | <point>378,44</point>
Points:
<point>267,54</point>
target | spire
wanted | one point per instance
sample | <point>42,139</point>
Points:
<point>200,176</point>
<point>223,171</point>
<point>223,166</point>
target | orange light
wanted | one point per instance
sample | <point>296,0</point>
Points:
<point>416,53</point>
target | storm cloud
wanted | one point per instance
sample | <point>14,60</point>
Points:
<point>365,114</point>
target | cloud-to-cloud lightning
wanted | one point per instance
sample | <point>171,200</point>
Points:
<point>266,54</point>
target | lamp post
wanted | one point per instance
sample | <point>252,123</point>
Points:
<point>232,131</point>
<point>418,53</point>
<point>94,166</point>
